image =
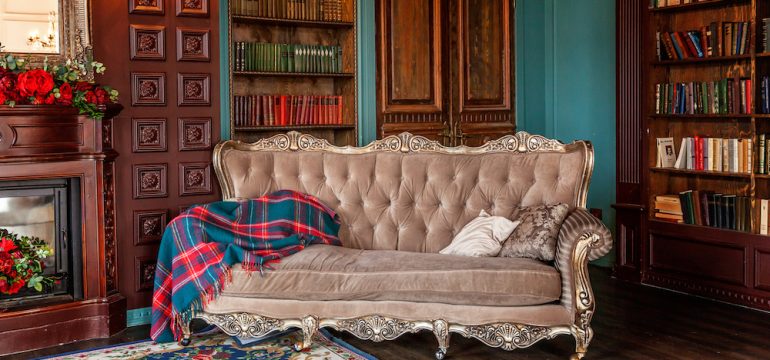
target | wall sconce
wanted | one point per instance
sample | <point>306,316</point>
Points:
<point>35,41</point>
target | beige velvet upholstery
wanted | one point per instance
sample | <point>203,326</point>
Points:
<point>325,272</point>
<point>410,202</point>
<point>401,200</point>
<point>542,315</point>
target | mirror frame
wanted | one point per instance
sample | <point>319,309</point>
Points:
<point>74,35</point>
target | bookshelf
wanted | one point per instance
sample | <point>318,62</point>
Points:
<point>715,262</point>
<point>269,92</point>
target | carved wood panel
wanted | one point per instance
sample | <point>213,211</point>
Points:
<point>445,69</point>
<point>483,71</point>
<point>411,74</point>
<point>182,89</point>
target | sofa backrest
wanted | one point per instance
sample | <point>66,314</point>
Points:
<point>406,192</point>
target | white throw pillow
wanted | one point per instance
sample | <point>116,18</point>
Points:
<point>483,236</point>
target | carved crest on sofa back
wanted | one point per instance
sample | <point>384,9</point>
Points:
<point>521,142</point>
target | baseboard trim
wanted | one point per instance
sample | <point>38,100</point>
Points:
<point>137,317</point>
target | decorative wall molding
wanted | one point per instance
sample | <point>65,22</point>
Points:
<point>148,89</point>
<point>147,42</point>
<point>194,134</point>
<point>149,226</point>
<point>193,89</point>
<point>192,44</point>
<point>194,178</point>
<point>150,181</point>
<point>153,7</point>
<point>199,8</point>
<point>148,134</point>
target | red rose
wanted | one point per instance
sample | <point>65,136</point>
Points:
<point>7,82</point>
<point>3,98</point>
<point>83,86</point>
<point>65,94</point>
<point>50,99</point>
<point>15,287</point>
<point>102,97</point>
<point>36,82</point>
<point>90,97</point>
<point>7,245</point>
<point>3,285</point>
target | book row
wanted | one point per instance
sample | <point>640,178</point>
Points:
<point>705,208</point>
<point>707,154</point>
<point>657,4</point>
<point>726,96</point>
<point>716,39</point>
<point>315,10</point>
<point>269,57</point>
<point>286,110</point>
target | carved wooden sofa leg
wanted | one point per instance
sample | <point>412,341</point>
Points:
<point>186,333</point>
<point>309,328</point>
<point>441,330</point>
<point>582,340</point>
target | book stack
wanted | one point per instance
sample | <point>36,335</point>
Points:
<point>314,10</point>
<point>765,35</point>
<point>726,96</point>
<point>286,110</point>
<point>686,44</point>
<point>764,95</point>
<point>299,58</point>
<point>668,208</point>
<point>715,154</point>
<point>707,208</point>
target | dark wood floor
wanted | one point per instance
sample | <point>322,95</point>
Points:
<point>631,322</point>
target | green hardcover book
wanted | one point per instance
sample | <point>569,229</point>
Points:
<point>276,57</point>
<point>339,59</point>
<point>245,56</point>
<point>686,206</point>
<point>290,57</point>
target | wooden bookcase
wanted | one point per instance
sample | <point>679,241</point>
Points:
<point>282,30</point>
<point>724,264</point>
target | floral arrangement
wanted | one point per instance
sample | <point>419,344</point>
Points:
<point>59,84</point>
<point>21,263</point>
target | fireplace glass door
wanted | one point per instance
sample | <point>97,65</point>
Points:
<point>42,208</point>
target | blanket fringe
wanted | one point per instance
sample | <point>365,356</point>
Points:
<point>197,305</point>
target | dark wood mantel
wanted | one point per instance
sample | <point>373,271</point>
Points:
<point>43,142</point>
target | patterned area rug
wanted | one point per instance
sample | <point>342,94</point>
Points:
<point>216,345</point>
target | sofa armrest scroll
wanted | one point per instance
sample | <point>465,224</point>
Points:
<point>579,224</point>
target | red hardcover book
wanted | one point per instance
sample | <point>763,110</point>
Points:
<point>339,110</point>
<point>698,145</point>
<point>748,96</point>
<point>683,44</point>
<point>690,45</point>
<point>669,45</point>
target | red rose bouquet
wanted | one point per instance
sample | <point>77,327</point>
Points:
<point>21,263</point>
<point>61,84</point>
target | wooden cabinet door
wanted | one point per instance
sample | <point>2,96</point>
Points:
<point>482,70</point>
<point>411,69</point>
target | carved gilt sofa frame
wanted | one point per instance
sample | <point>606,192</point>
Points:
<point>509,336</point>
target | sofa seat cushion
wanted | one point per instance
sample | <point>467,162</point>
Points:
<point>325,272</point>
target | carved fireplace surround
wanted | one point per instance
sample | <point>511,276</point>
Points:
<point>50,142</point>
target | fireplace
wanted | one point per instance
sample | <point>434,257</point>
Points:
<point>47,209</point>
<point>57,182</point>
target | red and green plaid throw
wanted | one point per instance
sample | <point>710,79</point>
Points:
<point>200,245</point>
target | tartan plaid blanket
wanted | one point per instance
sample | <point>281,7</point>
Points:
<point>200,245</point>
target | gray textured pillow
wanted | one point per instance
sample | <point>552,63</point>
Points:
<point>535,237</point>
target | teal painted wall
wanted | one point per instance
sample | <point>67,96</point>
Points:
<point>566,82</point>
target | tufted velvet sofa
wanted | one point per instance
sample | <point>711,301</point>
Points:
<point>401,200</point>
